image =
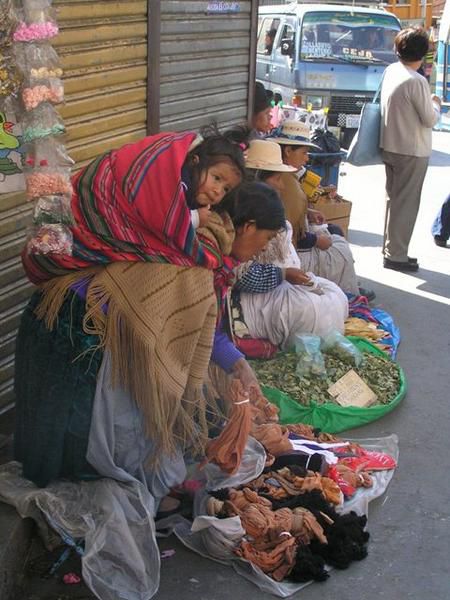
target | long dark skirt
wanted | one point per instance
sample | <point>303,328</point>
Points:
<point>55,383</point>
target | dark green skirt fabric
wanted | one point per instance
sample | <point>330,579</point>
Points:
<point>55,387</point>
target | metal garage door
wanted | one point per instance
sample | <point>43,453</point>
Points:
<point>103,50</point>
<point>205,64</point>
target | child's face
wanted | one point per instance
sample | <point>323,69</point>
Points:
<point>215,182</point>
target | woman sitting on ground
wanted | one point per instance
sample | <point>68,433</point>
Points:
<point>275,297</point>
<point>328,253</point>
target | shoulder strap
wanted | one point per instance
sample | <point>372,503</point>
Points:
<point>377,95</point>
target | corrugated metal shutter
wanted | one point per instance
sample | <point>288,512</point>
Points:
<point>205,62</point>
<point>103,50</point>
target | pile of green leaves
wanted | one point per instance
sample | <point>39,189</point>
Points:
<point>380,374</point>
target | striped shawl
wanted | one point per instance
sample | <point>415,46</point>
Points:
<point>129,205</point>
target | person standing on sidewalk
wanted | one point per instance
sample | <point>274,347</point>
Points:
<point>441,225</point>
<point>408,113</point>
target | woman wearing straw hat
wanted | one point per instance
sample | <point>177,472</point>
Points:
<point>326,253</point>
<point>275,297</point>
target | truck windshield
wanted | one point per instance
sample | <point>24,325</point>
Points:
<point>356,37</point>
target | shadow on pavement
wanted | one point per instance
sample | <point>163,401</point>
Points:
<point>365,239</point>
<point>439,159</point>
<point>435,283</point>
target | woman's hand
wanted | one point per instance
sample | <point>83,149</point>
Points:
<point>296,276</point>
<point>315,216</point>
<point>323,242</point>
<point>436,99</point>
<point>243,371</point>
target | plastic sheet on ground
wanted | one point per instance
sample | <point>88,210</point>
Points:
<point>210,537</point>
<point>387,323</point>
<point>121,558</point>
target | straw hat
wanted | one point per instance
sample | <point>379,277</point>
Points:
<point>266,155</point>
<point>294,133</point>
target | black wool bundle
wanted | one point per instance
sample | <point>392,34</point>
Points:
<point>347,541</point>
<point>308,566</point>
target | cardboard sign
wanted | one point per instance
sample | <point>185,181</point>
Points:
<point>351,390</point>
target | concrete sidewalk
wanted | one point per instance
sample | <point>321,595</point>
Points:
<point>410,525</point>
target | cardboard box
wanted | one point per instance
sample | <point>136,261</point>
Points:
<point>335,212</point>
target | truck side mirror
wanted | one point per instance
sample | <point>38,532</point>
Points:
<point>287,47</point>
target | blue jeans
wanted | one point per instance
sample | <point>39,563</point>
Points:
<point>441,225</point>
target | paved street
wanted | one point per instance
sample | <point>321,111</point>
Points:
<point>410,524</point>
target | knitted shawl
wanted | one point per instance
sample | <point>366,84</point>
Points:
<point>159,329</point>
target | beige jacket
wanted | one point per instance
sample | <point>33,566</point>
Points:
<point>407,112</point>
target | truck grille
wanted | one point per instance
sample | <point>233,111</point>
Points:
<point>346,105</point>
<point>350,105</point>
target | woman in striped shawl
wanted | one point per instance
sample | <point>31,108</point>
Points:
<point>121,332</point>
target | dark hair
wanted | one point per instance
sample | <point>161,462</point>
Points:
<point>215,148</point>
<point>257,202</point>
<point>411,44</point>
<point>261,100</point>
<point>259,175</point>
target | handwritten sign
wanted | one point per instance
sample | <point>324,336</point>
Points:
<point>223,7</point>
<point>351,390</point>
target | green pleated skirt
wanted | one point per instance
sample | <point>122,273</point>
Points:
<point>55,381</point>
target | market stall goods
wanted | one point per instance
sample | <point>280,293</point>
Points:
<point>381,375</point>
<point>328,415</point>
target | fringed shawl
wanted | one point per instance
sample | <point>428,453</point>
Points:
<point>159,328</point>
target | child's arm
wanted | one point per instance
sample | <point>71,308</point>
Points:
<point>195,219</point>
<point>200,216</point>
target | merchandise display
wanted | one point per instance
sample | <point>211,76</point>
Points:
<point>381,375</point>
<point>302,516</point>
<point>330,416</point>
<point>10,78</point>
<point>47,165</point>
